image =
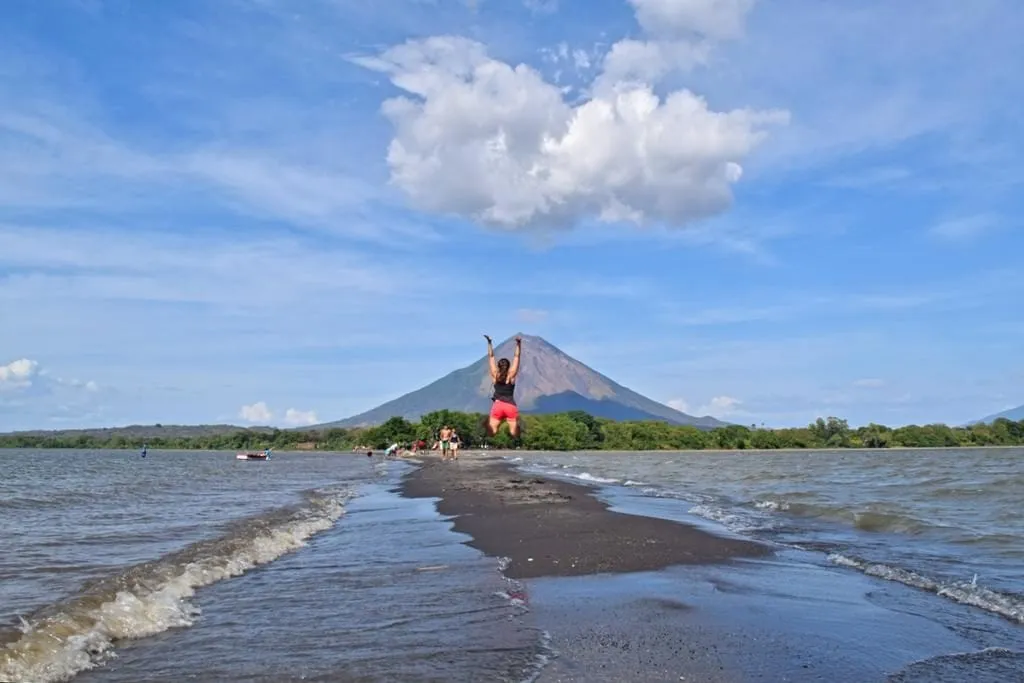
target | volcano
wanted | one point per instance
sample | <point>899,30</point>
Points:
<point>1011,414</point>
<point>550,381</point>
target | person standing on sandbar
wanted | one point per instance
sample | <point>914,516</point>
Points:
<point>503,374</point>
<point>445,440</point>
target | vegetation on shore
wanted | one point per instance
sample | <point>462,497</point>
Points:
<point>564,431</point>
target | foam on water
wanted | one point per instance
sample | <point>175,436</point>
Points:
<point>966,592</point>
<point>735,520</point>
<point>545,653</point>
<point>517,596</point>
<point>59,641</point>
<point>587,476</point>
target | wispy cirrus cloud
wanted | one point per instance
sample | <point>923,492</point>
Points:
<point>531,316</point>
<point>871,177</point>
<point>779,306</point>
<point>541,6</point>
<point>966,228</point>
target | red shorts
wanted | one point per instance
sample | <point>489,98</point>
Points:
<point>504,411</point>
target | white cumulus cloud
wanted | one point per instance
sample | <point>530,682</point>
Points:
<point>679,404</point>
<point>720,406</point>
<point>260,413</point>
<point>300,417</point>
<point>31,393</point>
<point>680,19</point>
<point>257,412</point>
<point>681,34</point>
<point>18,373</point>
<point>89,385</point>
<point>25,373</point>
<point>499,145</point>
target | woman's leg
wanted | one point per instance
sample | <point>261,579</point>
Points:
<point>492,425</point>
<point>513,426</point>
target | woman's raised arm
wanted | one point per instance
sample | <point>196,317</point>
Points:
<point>490,357</point>
<point>514,370</point>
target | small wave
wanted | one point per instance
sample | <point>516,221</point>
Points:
<point>545,653</point>
<point>731,519</point>
<point>516,595</point>
<point>867,517</point>
<point>514,592</point>
<point>868,520</point>
<point>561,471</point>
<point>587,476</point>
<point>966,592</point>
<point>78,634</point>
<point>773,505</point>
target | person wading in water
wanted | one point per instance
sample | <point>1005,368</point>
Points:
<point>503,374</point>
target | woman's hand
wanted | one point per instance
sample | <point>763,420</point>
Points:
<point>487,338</point>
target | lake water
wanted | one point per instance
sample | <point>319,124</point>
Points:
<point>946,521</point>
<point>102,553</point>
<point>196,566</point>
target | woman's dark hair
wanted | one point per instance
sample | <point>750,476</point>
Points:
<point>503,366</point>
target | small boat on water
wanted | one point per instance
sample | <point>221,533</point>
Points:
<point>253,455</point>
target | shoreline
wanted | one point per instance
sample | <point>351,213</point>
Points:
<point>547,528</point>
<point>496,451</point>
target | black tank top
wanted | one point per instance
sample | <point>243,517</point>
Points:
<point>504,392</point>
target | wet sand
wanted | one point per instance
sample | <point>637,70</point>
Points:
<point>552,528</point>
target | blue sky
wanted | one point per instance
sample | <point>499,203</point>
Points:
<point>283,211</point>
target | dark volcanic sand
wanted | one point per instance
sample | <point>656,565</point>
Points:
<point>552,528</point>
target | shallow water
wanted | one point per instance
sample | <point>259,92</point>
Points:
<point>945,521</point>
<point>195,566</point>
<point>771,620</point>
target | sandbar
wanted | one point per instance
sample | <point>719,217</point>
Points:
<point>547,527</point>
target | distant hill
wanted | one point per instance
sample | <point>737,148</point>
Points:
<point>550,381</point>
<point>145,431</point>
<point>1011,414</point>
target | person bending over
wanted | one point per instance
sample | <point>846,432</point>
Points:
<point>503,374</point>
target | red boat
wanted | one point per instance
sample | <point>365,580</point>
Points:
<point>253,455</point>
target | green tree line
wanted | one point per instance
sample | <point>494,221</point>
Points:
<point>574,430</point>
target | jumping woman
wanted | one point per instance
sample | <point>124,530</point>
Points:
<point>503,374</point>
